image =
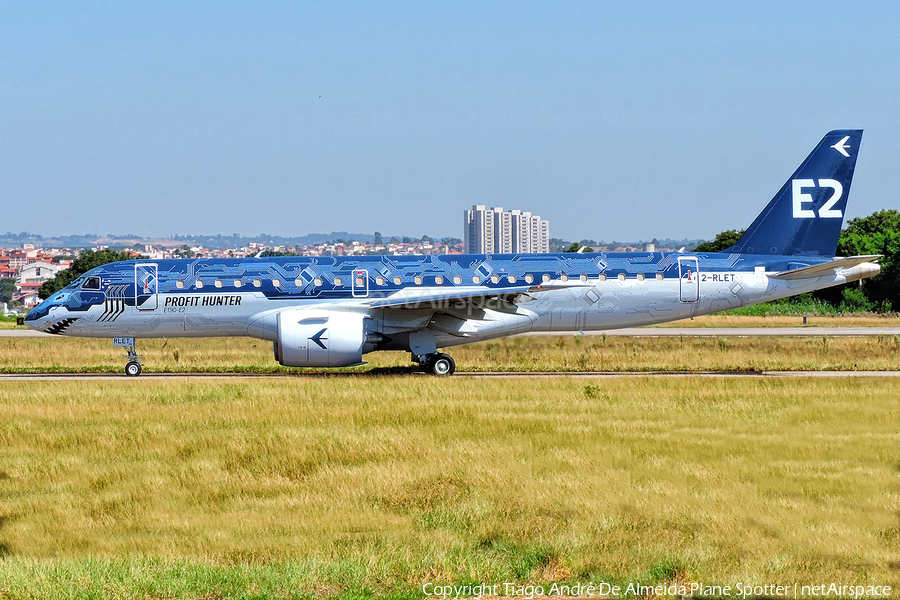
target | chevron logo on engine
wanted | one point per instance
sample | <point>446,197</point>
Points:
<point>318,339</point>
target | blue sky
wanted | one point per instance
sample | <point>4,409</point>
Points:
<point>613,120</point>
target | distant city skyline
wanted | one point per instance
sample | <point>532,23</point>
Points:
<point>12,240</point>
<point>610,120</point>
<point>497,231</point>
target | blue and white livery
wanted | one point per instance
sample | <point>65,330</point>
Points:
<point>329,312</point>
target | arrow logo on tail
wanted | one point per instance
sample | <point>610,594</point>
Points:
<point>842,146</point>
<point>318,339</point>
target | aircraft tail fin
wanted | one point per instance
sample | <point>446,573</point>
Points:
<point>805,216</point>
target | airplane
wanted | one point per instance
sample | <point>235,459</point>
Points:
<point>330,311</point>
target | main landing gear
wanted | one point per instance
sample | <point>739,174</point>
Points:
<point>437,364</point>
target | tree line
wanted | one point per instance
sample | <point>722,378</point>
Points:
<point>878,233</point>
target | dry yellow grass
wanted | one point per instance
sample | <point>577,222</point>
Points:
<point>327,485</point>
<point>595,353</point>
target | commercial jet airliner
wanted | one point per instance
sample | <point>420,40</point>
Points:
<point>330,311</point>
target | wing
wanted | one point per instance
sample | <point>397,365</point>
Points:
<point>433,296</point>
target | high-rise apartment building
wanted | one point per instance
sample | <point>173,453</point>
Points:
<point>495,231</point>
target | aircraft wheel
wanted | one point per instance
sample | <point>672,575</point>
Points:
<point>133,368</point>
<point>442,365</point>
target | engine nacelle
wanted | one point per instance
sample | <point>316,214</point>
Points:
<point>320,338</point>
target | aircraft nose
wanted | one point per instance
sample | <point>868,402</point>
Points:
<point>38,315</point>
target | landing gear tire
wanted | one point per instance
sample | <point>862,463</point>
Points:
<point>441,365</point>
<point>133,368</point>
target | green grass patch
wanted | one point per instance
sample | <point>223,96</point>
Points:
<point>804,304</point>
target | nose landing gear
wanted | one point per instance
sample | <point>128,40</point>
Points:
<point>134,366</point>
<point>437,364</point>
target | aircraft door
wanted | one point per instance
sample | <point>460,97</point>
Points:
<point>146,285</point>
<point>360,283</point>
<point>688,279</point>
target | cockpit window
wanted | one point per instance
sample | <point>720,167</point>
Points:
<point>91,283</point>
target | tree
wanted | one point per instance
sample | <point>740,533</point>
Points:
<point>724,240</point>
<point>7,289</point>
<point>378,241</point>
<point>575,247</point>
<point>879,233</point>
<point>80,266</point>
<point>184,251</point>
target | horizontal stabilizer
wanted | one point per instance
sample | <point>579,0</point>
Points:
<point>825,268</point>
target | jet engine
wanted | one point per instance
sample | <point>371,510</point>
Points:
<point>320,338</point>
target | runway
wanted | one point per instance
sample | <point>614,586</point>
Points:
<point>467,375</point>
<point>653,332</point>
<point>732,332</point>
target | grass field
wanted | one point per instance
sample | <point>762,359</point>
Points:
<point>371,486</point>
<point>733,320</point>
<point>595,353</point>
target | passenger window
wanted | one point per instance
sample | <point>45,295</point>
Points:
<point>602,276</point>
<point>418,280</point>
<point>179,284</point>
<point>495,279</point>
<point>583,277</point>
<point>397,280</point>
<point>238,283</point>
<point>545,278</point>
<point>563,277</point>
<point>360,282</point>
<point>199,284</point>
<point>276,282</point>
<point>621,276</point>
<point>298,282</point>
<point>457,279</point>
<point>439,280</point>
<point>379,281</point>
<point>257,283</point>
<point>659,276</point>
<point>317,281</point>
<point>476,279</point>
<point>511,279</point>
<point>529,278</point>
<point>640,276</point>
<point>338,281</point>
<point>218,283</point>
<point>91,283</point>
